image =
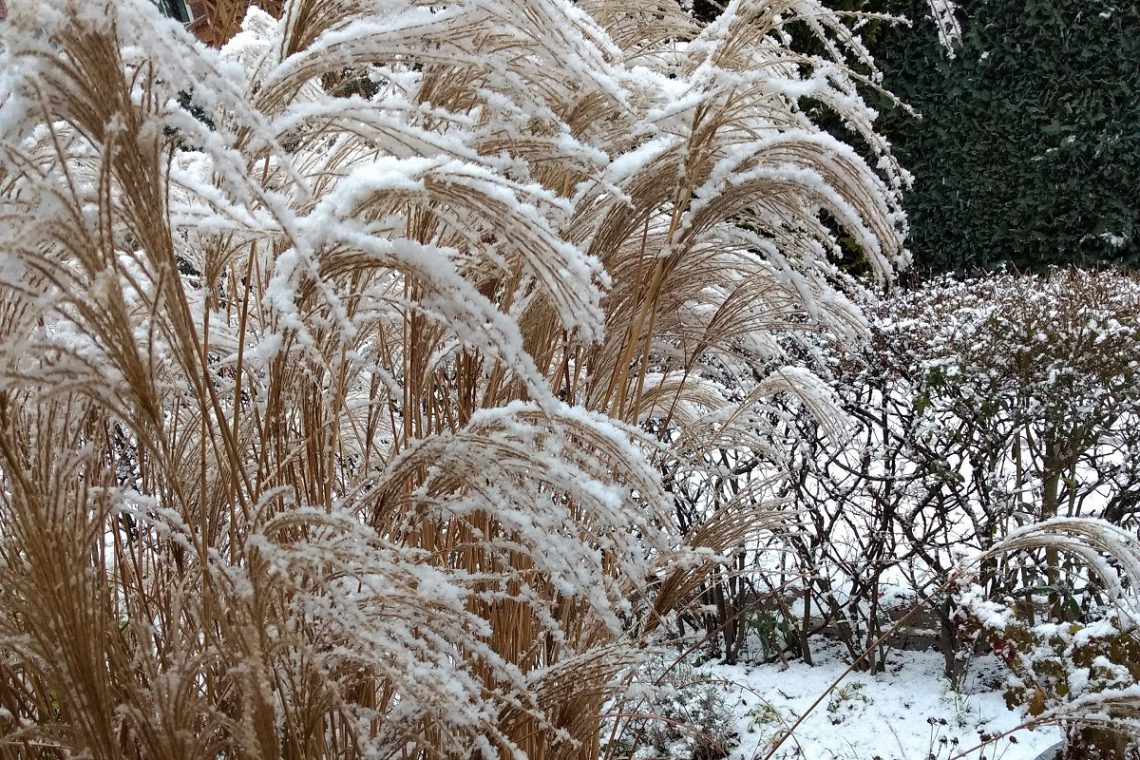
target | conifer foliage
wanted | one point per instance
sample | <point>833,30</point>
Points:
<point>338,366</point>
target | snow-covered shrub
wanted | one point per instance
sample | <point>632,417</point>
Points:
<point>976,407</point>
<point>1084,675</point>
<point>1037,379</point>
<point>333,419</point>
<point>681,716</point>
<point>1056,665</point>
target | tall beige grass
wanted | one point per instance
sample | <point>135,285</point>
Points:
<point>334,428</point>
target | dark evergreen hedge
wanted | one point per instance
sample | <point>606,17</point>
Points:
<point>1029,150</point>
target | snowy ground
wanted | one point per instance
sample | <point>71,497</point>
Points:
<point>908,712</point>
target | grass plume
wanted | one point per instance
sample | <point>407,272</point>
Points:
<point>332,417</point>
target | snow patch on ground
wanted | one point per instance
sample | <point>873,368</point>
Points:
<point>908,712</point>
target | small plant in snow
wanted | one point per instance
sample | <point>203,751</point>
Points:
<point>846,701</point>
<point>772,632</point>
<point>962,707</point>
<point>941,745</point>
<point>679,716</point>
<point>764,717</point>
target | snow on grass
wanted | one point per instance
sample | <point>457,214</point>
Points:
<point>908,712</point>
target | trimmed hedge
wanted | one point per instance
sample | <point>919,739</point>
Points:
<point>1028,153</point>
